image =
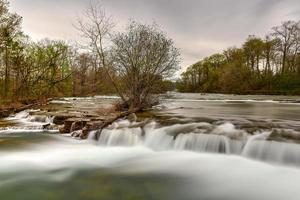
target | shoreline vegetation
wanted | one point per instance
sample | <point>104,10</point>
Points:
<point>269,66</point>
<point>136,64</point>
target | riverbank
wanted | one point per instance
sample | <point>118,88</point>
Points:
<point>253,93</point>
<point>76,115</point>
<point>6,109</point>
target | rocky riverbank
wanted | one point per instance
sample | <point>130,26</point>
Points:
<point>7,110</point>
<point>77,115</point>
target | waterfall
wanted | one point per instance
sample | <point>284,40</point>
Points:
<point>120,137</point>
<point>41,119</point>
<point>202,137</point>
<point>222,138</point>
<point>202,142</point>
<point>49,119</point>
<point>176,137</point>
<point>73,127</point>
<point>259,148</point>
<point>31,120</point>
<point>21,115</point>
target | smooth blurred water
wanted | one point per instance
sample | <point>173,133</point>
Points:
<point>193,147</point>
<point>65,168</point>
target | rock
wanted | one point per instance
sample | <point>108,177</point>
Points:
<point>73,124</point>
<point>132,117</point>
<point>76,133</point>
<point>59,118</point>
<point>50,127</point>
<point>46,126</point>
<point>4,114</point>
<point>284,135</point>
<point>61,129</point>
<point>79,134</point>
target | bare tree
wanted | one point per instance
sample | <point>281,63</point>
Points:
<point>286,35</point>
<point>143,57</point>
<point>96,27</point>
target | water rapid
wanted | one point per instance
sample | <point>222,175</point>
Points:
<point>202,137</point>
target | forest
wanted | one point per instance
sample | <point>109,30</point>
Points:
<point>37,70</point>
<point>269,65</point>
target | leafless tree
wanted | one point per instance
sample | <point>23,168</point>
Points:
<point>143,57</point>
<point>287,35</point>
<point>96,27</point>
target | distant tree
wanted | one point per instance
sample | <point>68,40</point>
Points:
<point>288,37</point>
<point>253,50</point>
<point>269,66</point>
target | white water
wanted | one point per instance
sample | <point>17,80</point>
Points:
<point>198,137</point>
<point>26,123</point>
<point>202,137</point>
<point>202,176</point>
<point>27,119</point>
<point>217,160</point>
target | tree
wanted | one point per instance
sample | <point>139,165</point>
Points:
<point>10,30</point>
<point>143,56</point>
<point>287,35</point>
<point>253,49</point>
<point>96,27</point>
<point>269,66</point>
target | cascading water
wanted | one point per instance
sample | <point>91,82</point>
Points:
<point>202,142</point>
<point>120,137</point>
<point>30,122</point>
<point>41,119</point>
<point>176,137</point>
<point>202,137</point>
<point>259,148</point>
<point>73,126</point>
<point>22,115</point>
<point>130,159</point>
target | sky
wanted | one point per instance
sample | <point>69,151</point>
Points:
<point>199,28</point>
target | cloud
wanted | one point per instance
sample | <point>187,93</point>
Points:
<point>198,27</point>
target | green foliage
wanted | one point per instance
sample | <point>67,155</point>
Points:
<point>267,66</point>
<point>43,69</point>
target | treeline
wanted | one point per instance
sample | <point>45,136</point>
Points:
<point>133,64</point>
<point>269,65</point>
<point>47,68</point>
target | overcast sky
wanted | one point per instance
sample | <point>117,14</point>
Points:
<point>198,27</point>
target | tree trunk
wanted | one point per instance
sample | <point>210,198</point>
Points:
<point>6,80</point>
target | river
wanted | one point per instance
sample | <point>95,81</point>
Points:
<point>192,147</point>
